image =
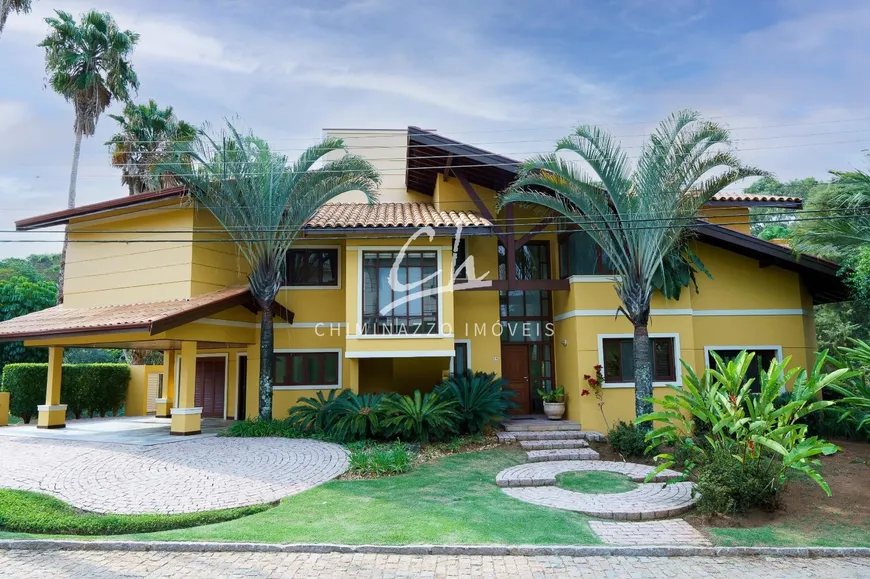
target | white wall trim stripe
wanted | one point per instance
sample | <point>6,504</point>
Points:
<point>683,312</point>
<point>403,354</point>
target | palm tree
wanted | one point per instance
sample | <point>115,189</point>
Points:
<point>146,133</point>
<point>639,218</point>
<point>9,6</point>
<point>263,202</point>
<point>87,64</point>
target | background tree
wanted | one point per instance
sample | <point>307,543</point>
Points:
<point>20,296</point>
<point>37,267</point>
<point>146,133</point>
<point>775,222</point>
<point>679,169</point>
<point>9,6</point>
<point>263,201</point>
<point>87,63</point>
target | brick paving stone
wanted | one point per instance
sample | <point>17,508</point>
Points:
<point>553,444</point>
<point>159,564</point>
<point>562,454</point>
<point>544,473</point>
<point>188,476</point>
<point>673,532</point>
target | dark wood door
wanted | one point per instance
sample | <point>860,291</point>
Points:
<point>209,393</point>
<point>515,369</point>
<point>242,390</point>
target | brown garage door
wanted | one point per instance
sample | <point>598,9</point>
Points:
<point>210,379</point>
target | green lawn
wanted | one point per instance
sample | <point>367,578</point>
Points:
<point>810,533</point>
<point>451,500</point>
<point>595,482</point>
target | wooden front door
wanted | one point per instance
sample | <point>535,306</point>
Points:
<point>210,379</point>
<point>515,369</point>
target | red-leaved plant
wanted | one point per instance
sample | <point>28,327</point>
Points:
<point>595,384</point>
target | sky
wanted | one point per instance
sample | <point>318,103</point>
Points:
<point>788,77</point>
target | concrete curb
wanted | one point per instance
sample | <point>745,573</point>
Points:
<point>485,550</point>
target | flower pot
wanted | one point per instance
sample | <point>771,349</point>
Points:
<point>554,410</point>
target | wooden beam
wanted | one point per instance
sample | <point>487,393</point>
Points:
<point>447,167</point>
<point>478,202</point>
<point>510,249</point>
<point>534,231</point>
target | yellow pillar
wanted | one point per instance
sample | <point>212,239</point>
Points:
<point>4,408</point>
<point>53,414</point>
<point>164,403</point>
<point>186,418</point>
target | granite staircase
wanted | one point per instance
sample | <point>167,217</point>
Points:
<point>550,440</point>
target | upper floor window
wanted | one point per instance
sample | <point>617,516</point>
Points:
<point>312,267</point>
<point>532,261</point>
<point>417,316</point>
<point>580,255</point>
<point>619,360</point>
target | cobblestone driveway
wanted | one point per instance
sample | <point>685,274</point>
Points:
<point>323,566</point>
<point>182,477</point>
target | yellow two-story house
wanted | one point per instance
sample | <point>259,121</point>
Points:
<point>534,301</point>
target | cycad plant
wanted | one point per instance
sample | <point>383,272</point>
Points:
<point>312,415</point>
<point>421,417</point>
<point>263,201</point>
<point>356,416</point>
<point>481,400</point>
<point>639,217</point>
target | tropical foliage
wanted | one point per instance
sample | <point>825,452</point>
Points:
<point>481,400</point>
<point>421,417</point>
<point>262,201</point>
<point>722,417</point>
<point>854,407</point>
<point>20,296</point>
<point>356,416</point>
<point>381,458</point>
<point>312,415</point>
<point>146,132</point>
<point>679,169</point>
<point>7,7</point>
<point>87,64</point>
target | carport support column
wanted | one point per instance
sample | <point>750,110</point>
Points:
<point>53,414</point>
<point>186,418</point>
<point>164,403</point>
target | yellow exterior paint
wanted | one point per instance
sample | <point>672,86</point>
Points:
<point>137,392</point>
<point>185,424</point>
<point>52,417</point>
<point>736,218</point>
<point>4,408</point>
<point>55,371</point>
<point>187,380</point>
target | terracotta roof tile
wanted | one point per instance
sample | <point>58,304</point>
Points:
<point>348,215</point>
<point>63,320</point>
<point>753,198</point>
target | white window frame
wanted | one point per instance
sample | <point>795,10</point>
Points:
<point>314,351</point>
<point>226,358</point>
<point>677,366</point>
<point>319,287</point>
<point>359,293</point>
<point>467,355</point>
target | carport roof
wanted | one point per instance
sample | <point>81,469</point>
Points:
<point>152,317</point>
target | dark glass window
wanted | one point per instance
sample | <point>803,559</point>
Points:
<point>306,368</point>
<point>460,359</point>
<point>314,267</point>
<point>760,362</point>
<point>415,317</point>
<point>458,259</point>
<point>580,255</point>
<point>619,360</point>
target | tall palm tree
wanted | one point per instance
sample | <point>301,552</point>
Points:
<point>9,6</point>
<point>263,202</point>
<point>146,133</point>
<point>87,64</point>
<point>638,217</point>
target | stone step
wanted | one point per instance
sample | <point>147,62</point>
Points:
<point>538,425</point>
<point>553,444</point>
<point>562,454</point>
<point>552,435</point>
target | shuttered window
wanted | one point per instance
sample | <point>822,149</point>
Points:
<point>306,369</point>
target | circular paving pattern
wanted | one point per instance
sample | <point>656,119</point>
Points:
<point>535,483</point>
<point>183,477</point>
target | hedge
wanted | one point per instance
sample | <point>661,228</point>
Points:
<point>87,389</point>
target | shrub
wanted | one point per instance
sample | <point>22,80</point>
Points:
<point>744,427</point>
<point>853,410</point>
<point>481,400</point>
<point>627,439</point>
<point>356,416</point>
<point>421,417</point>
<point>256,428</point>
<point>381,459</point>
<point>26,386</point>
<point>728,486</point>
<point>312,415</point>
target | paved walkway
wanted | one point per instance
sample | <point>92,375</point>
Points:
<point>196,474</point>
<point>101,564</point>
<point>671,533</point>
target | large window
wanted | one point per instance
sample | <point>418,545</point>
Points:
<point>312,267</point>
<point>419,315</point>
<point>619,360</point>
<point>460,359</point>
<point>306,369</point>
<point>580,255</point>
<point>761,361</point>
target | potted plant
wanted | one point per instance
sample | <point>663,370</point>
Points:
<point>554,402</point>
